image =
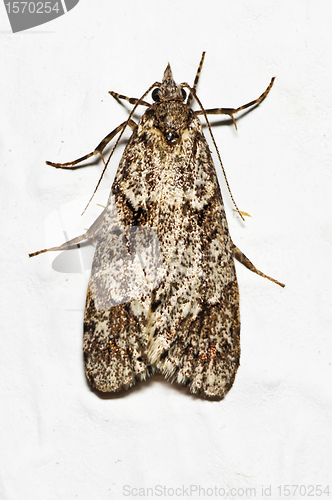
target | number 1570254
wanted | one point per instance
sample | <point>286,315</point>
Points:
<point>32,7</point>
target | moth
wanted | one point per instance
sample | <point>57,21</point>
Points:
<point>163,295</point>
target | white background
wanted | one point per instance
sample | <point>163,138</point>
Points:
<point>59,440</point>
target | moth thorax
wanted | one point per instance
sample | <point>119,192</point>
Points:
<point>172,119</point>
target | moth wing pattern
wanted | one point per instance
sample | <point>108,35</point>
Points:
<point>187,326</point>
<point>194,326</point>
<point>114,339</point>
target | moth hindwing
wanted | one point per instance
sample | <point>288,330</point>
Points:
<point>163,295</point>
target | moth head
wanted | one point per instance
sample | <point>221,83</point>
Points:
<point>168,90</point>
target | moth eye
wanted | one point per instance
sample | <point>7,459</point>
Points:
<point>184,94</point>
<point>156,94</point>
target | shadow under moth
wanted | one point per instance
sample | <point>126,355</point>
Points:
<point>163,295</point>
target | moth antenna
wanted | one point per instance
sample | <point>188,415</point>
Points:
<point>156,84</point>
<point>199,69</point>
<point>192,90</point>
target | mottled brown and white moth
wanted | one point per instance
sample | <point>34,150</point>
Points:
<point>163,295</point>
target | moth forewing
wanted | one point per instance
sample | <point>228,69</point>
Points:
<point>163,295</point>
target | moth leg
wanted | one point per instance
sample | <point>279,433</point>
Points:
<point>231,111</point>
<point>90,233</point>
<point>247,263</point>
<point>132,100</point>
<point>99,149</point>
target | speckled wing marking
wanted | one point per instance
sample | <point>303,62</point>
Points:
<point>118,300</point>
<point>187,327</point>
